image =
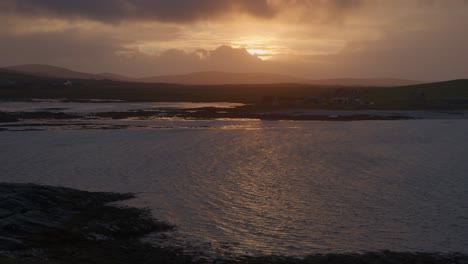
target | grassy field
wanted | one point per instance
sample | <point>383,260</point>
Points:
<point>416,96</point>
<point>88,89</point>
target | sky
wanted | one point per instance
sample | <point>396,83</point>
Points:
<point>423,40</point>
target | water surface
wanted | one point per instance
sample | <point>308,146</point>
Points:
<point>289,188</point>
<point>96,106</point>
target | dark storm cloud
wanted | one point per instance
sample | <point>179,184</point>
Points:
<point>120,10</point>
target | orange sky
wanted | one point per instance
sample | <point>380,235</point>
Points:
<point>414,39</point>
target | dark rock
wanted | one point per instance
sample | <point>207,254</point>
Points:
<point>11,244</point>
<point>28,208</point>
<point>75,227</point>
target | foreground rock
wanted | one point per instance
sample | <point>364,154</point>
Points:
<point>27,208</point>
<point>42,224</point>
<point>53,225</point>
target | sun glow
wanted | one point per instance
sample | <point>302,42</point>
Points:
<point>258,52</point>
<point>258,46</point>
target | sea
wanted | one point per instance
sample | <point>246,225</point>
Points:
<point>252,187</point>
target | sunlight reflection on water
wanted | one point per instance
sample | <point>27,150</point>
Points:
<point>320,187</point>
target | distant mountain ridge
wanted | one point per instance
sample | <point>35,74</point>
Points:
<point>206,78</point>
<point>216,78</point>
<point>115,77</point>
<point>40,70</point>
<point>384,82</point>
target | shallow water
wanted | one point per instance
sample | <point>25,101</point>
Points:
<point>289,188</point>
<point>95,106</point>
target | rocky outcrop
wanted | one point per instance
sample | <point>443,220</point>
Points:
<point>44,224</point>
<point>27,208</point>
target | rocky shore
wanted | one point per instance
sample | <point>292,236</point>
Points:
<point>54,225</point>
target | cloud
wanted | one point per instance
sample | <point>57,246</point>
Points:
<point>176,61</point>
<point>123,10</point>
<point>399,54</point>
<point>418,39</point>
<point>71,48</point>
<point>95,52</point>
<point>331,11</point>
<point>426,55</point>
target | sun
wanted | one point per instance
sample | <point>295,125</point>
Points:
<point>260,53</point>
<point>256,46</point>
<point>257,52</point>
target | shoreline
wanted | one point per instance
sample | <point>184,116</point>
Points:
<point>196,118</point>
<point>55,225</point>
<point>210,113</point>
<point>95,110</point>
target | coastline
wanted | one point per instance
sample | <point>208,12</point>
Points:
<point>243,112</point>
<point>167,118</point>
<point>88,113</point>
<point>52,225</point>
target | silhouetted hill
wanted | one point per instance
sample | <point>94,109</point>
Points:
<point>7,75</point>
<point>428,93</point>
<point>116,77</point>
<point>381,82</point>
<point>52,72</point>
<point>447,89</point>
<point>14,85</point>
<point>452,84</point>
<point>206,78</point>
<point>216,78</point>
